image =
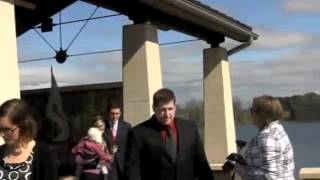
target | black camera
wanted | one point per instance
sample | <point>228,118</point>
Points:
<point>232,160</point>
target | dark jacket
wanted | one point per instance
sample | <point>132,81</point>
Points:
<point>148,159</point>
<point>43,165</point>
<point>122,134</point>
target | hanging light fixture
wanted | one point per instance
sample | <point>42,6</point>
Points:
<point>61,56</point>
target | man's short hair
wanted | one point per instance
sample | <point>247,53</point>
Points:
<point>163,95</point>
<point>113,106</point>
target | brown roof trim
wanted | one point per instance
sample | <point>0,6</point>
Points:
<point>220,13</point>
<point>205,17</point>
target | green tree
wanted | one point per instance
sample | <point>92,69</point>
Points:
<point>241,115</point>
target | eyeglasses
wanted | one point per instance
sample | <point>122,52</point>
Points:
<point>7,130</point>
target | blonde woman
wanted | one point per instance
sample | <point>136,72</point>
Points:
<point>269,155</point>
<point>99,123</point>
<point>91,154</point>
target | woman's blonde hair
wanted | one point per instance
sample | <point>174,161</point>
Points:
<point>98,121</point>
<point>267,108</point>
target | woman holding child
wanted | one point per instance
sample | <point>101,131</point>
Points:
<point>92,154</point>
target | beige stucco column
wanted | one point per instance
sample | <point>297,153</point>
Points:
<point>9,72</point>
<point>219,121</point>
<point>141,71</point>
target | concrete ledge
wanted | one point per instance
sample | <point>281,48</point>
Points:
<point>219,173</point>
<point>309,173</point>
<point>216,167</point>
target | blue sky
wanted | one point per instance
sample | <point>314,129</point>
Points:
<point>283,62</point>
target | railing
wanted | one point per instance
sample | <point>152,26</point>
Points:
<point>309,173</point>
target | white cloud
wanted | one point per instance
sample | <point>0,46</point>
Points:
<point>276,40</point>
<point>295,73</point>
<point>309,6</point>
<point>270,39</point>
<point>182,70</point>
<point>75,71</point>
<point>171,52</point>
<point>291,74</point>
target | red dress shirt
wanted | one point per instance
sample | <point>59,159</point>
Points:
<point>173,126</point>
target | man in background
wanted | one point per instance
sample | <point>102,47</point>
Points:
<point>116,138</point>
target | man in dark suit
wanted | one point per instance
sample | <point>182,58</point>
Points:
<point>165,147</point>
<point>116,137</point>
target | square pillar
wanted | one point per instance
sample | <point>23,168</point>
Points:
<point>218,109</point>
<point>9,70</point>
<point>141,71</point>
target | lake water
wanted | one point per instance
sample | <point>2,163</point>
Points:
<point>305,139</point>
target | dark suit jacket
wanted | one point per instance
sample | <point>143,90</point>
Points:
<point>147,158</point>
<point>122,134</point>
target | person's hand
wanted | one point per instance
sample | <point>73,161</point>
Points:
<point>114,149</point>
<point>104,169</point>
<point>232,160</point>
<point>237,158</point>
